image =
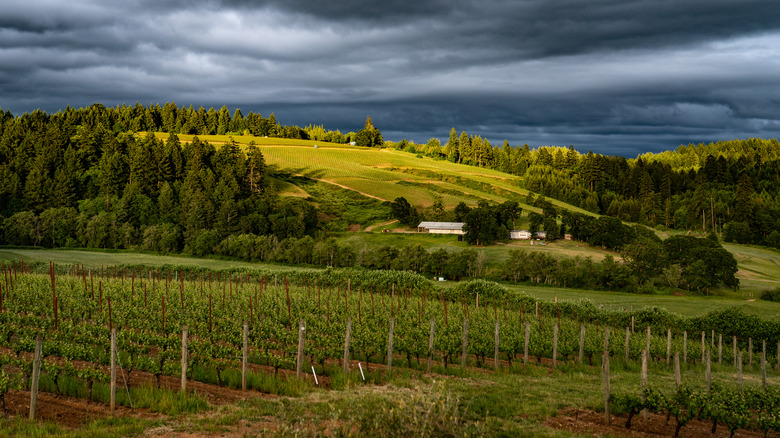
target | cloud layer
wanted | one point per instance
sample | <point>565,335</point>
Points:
<point>615,76</point>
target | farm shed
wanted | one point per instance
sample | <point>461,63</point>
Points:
<point>519,235</point>
<point>441,228</point>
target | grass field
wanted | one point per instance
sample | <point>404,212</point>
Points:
<point>383,173</point>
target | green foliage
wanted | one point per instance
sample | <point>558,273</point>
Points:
<point>369,136</point>
<point>486,224</point>
<point>428,413</point>
<point>404,212</point>
<point>771,295</point>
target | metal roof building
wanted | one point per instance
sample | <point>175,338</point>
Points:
<point>441,228</point>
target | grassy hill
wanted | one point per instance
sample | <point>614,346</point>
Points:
<point>303,170</point>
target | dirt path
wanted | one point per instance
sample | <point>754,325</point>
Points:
<point>371,227</point>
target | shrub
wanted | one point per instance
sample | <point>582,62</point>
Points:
<point>771,295</point>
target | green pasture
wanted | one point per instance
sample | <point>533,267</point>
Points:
<point>383,173</point>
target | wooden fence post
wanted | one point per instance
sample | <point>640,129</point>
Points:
<point>677,369</point>
<point>605,377</point>
<point>555,346</point>
<point>527,339</point>
<point>628,340</point>
<point>763,365</point>
<point>703,348</point>
<point>299,358</point>
<point>709,370</point>
<point>647,344</point>
<point>244,354</point>
<point>645,358</point>
<point>184,358</point>
<point>430,344</point>
<point>390,346</point>
<point>739,369</point>
<point>346,345</point>
<point>36,374</point>
<point>495,354</point>
<point>465,336</point>
<point>112,384</point>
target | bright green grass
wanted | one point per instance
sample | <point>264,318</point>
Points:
<point>495,255</point>
<point>759,267</point>
<point>377,172</point>
<point>96,259</point>
<point>683,305</point>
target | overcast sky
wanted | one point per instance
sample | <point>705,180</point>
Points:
<point>615,76</point>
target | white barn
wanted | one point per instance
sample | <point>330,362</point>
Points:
<point>441,228</point>
<point>520,235</point>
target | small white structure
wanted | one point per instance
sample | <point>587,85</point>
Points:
<point>519,234</point>
<point>441,228</point>
<point>540,235</point>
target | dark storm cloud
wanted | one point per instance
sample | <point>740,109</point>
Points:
<point>616,76</point>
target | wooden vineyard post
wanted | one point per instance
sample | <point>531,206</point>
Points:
<point>582,343</point>
<point>632,323</point>
<point>465,337</point>
<point>708,370</point>
<point>346,346</point>
<point>628,338</point>
<point>113,371</point>
<point>605,379</point>
<point>677,369</point>
<point>606,340</point>
<point>36,373</point>
<point>390,346</point>
<point>735,352</point>
<point>645,359</point>
<point>184,359</point>
<point>647,344</point>
<point>495,354</point>
<point>739,369</point>
<point>750,352</point>
<point>555,345</point>
<point>668,345</point>
<point>299,357</point>
<point>527,338</point>
<point>244,354</point>
<point>703,346</point>
<point>685,347</point>
<point>763,365</point>
<point>720,349</point>
<point>430,344</point>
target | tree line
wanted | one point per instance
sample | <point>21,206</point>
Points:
<point>69,180</point>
